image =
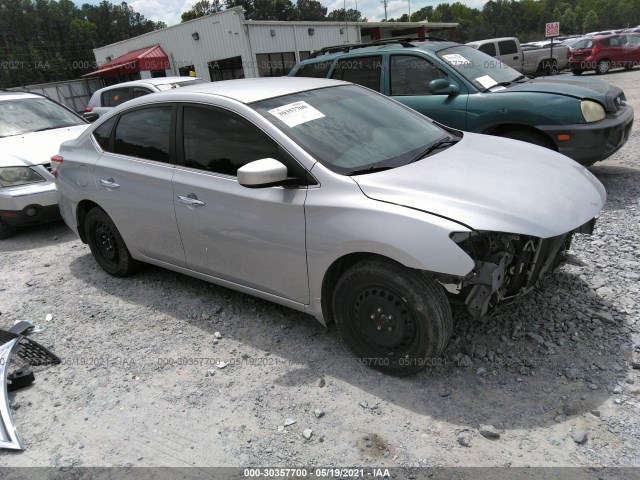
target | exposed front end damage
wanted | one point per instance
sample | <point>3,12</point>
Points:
<point>506,266</point>
<point>9,437</point>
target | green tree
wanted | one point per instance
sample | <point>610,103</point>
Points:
<point>591,22</point>
<point>199,9</point>
<point>352,15</point>
<point>309,10</point>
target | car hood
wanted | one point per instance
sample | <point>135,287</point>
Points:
<point>39,147</point>
<point>497,184</point>
<point>576,87</point>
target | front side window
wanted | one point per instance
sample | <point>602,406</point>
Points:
<point>349,128</point>
<point>410,75</point>
<point>507,47</point>
<point>222,142</point>
<point>145,133</point>
<point>27,115</point>
<point>364,71</point>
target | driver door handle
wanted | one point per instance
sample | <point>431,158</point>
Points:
<point>190,201</point>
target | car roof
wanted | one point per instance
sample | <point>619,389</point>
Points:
<point>8,95</point>
<point>428,44</point>
<point>250,90</point>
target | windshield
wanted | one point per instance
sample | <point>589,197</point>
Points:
<point>349,128</point>
<point>479,68</point>
<point>28,115</point>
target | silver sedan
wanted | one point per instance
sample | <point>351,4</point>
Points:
<point>328,198</point>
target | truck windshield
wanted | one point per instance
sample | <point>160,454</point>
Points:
<point>350,129</point>
<point>478,67</point>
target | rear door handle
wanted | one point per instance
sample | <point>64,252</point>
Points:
<point>516,57</point>
<point>191,200</point>
<point>109,183</point>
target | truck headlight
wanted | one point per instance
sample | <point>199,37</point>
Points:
<point>591,111</point>
<point>15,176</point>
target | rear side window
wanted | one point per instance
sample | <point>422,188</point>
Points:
<point>488,48</point>
<point>145,133</point>
<point>140,92</point>
<point>102,134</point>
<point>507,47</point>
<point>314,70</point>
<point>364,71</point>
<point>113,98</point>
<point>222,142</point>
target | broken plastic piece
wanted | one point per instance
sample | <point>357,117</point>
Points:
<point>9,437</point>
<point>21,378</point>
<point>31,351</point>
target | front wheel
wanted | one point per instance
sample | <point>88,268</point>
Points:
<point>393,318</point>
<point>577,71</point>
<point>107,245</point>
<point>603,66</point>
<point>529,137</point>
<point>6,230</point>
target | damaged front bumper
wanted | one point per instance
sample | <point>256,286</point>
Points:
<point>9,437</point>
<point>507,266</point>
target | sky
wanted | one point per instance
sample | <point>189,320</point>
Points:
<point>169,11</point>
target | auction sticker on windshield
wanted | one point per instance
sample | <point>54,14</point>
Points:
<point>456,59</point>
<point>295,114</point>
<point>486,81</point>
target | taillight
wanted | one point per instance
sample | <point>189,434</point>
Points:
<point>56,161</point>
<point>88,109</point>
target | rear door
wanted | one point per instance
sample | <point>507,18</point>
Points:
<point>253,237</point>
<point>508,54</point>
<point>133,181</point>
<point>631,46</point>
<point>366,71</point>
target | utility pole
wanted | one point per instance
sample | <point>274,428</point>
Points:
<point>409,2</point>
<point>385,2</point>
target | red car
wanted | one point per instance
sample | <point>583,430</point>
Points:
<point>604,53</point>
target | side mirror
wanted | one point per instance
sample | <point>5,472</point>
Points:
<point>90,116</point>
<point>266,172</point>
<point>441,86</point>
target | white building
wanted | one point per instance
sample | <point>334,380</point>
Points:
<point>225,46</point>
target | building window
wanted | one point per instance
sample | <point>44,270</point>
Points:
<point>304,55</point>
<point>186,71</point>
<point>158,73</point>
<point>226,69</point>
<point>275,64</point>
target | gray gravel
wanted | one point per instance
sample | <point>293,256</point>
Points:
<point>142,383</point>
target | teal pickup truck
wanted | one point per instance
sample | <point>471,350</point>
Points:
<point>463,88</point>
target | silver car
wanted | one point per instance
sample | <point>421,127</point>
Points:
<point>330,199</point>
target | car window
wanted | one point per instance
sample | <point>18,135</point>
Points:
<point>113,98</point>
<point>145,133</point>
<point>364,71</point>
<point>633,40</point>
<point>314,70</point>
<point>348,128</point>
<point>102,134</point>
<point>140,92</point>
<point>222,142</point>
<point>27,115</point>
<point>410,75</point>
<point>488,48</point>
<point>507,47</point>
<point>588,43</point>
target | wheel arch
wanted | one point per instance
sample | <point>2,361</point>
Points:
<point>501,129</point>
<point>83,208</point>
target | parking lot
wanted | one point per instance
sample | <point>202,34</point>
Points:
<point>141,383</point>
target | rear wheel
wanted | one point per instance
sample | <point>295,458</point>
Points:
<point>529,137</point>
<point>393,318</point>
<point>549,67</point>
<point>603,66</point>
<point>6,230</point>
<point>107,245</point>
<point>577,71</point>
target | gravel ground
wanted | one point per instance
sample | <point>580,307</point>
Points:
<point>548,381</point>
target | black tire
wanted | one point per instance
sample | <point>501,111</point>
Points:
<point>393,318</point>
<point>529,137</point>
<point>603,66</point>
<point>548,67</point>
<point>577,71</point>
<point>107,245</point>
<point>6,230</point>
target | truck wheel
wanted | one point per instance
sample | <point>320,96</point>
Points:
<point>577,71</point>
<point>393,318</point>
<point>6,230</point>
<point>603,66</point>
<point>548,67</point>
<point>529,137</point>
<point>107,245</point>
